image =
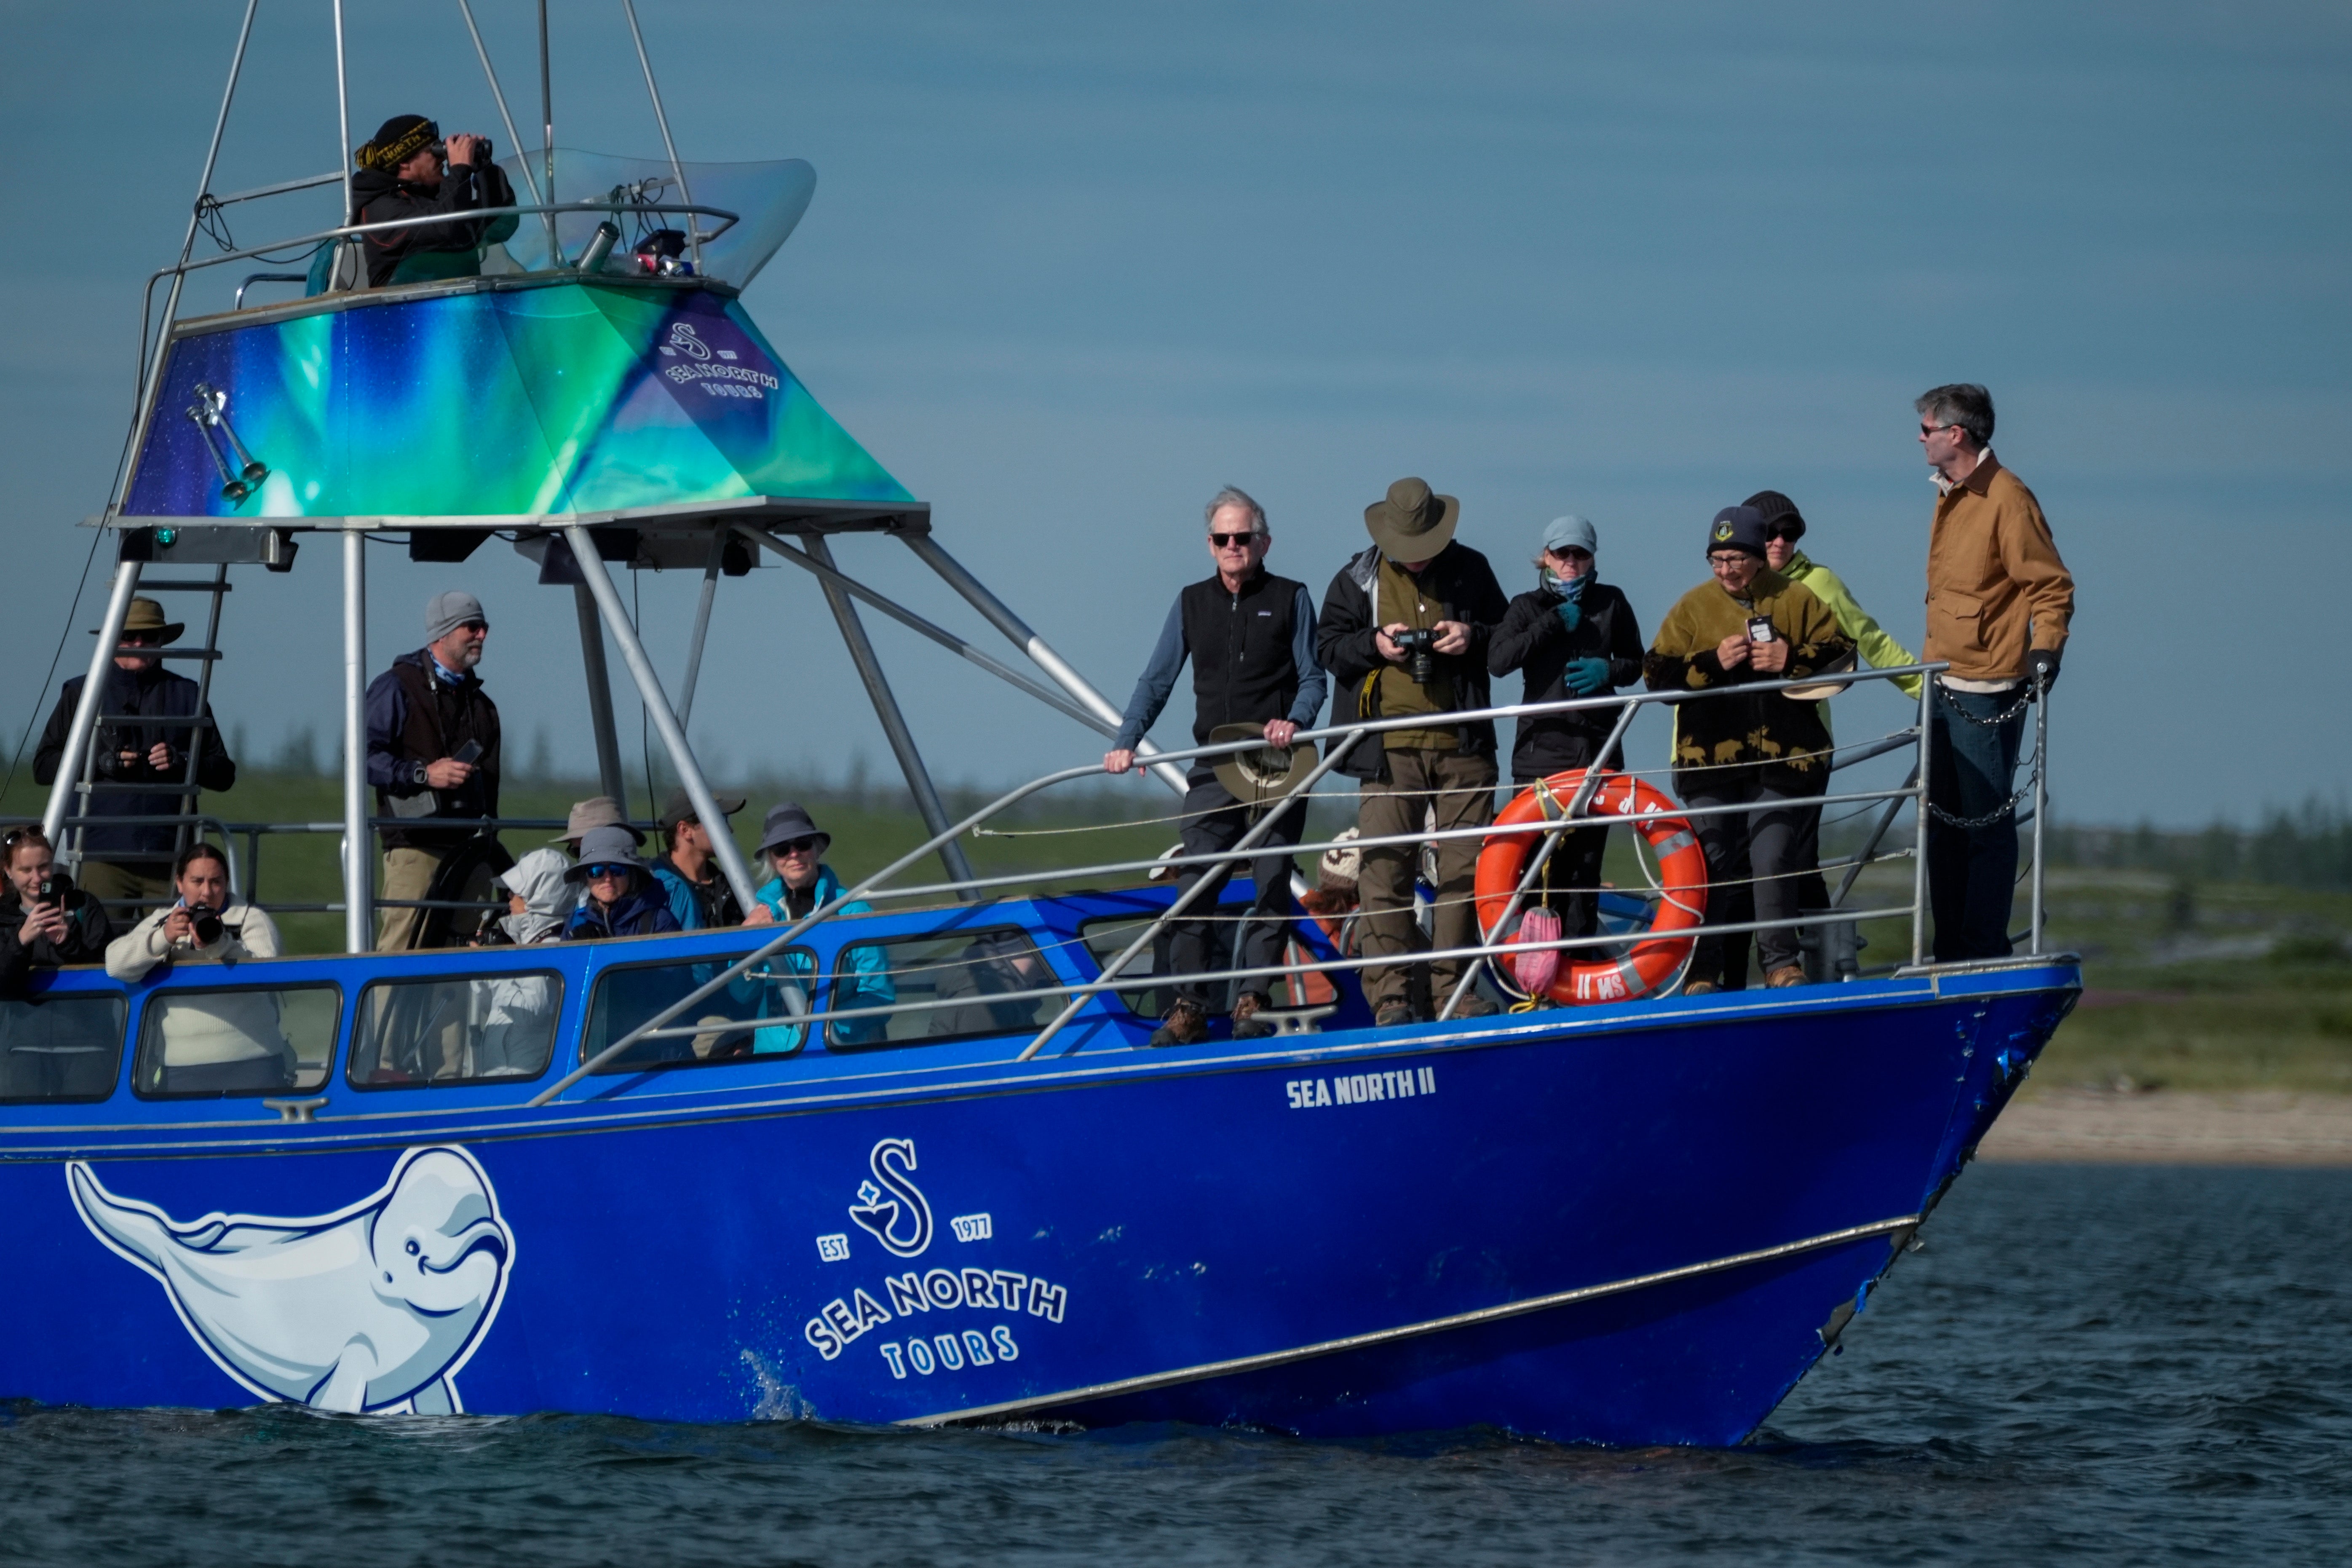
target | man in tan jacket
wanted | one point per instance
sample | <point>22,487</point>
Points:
<point>1998,600</point>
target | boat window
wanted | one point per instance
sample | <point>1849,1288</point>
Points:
<point>248,1039</point>
<point>977,966</point>
<point>455,1030</point>
<point>61,1047</point>
<point>732,1024</point>
<point>1107,937</point>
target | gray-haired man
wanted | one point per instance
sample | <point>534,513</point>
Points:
<point>432,752</point>
<point>1251,637</point>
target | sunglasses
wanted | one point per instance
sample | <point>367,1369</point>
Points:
<point>1227,541</point>
<point>608,873</point>
<point>794,847</point>
<point>1931,429</point>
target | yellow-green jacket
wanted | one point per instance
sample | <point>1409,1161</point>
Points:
<point>1878,648</point>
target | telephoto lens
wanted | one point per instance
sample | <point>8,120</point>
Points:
<point>207,924</point>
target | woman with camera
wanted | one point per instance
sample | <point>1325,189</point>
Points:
<point>1571,636</point>
<point>1757,750</point>
<point>227,1042</point>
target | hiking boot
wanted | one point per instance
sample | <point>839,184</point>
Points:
<point>1247,1025</point>
<point>1701,988</point>
<point>1182,1025</point>
<point>1391,1014</point>
<point>1474,1005</point>
<point>1786,974</point>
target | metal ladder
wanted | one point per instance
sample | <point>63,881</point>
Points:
<point>206,656</point>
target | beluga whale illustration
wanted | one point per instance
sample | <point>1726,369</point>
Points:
<point>373,1308</point>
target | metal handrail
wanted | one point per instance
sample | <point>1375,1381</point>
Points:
<point>1351,733</point>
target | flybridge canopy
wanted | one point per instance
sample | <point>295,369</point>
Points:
<point>498,402</point>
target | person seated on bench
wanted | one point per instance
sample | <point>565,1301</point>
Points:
<point>793,846</point>
<point>621,897</point>
<point>36,932</point>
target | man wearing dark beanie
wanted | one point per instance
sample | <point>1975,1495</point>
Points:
<point>401,176</point>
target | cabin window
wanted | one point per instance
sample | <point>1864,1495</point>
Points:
<point>60,1047</point>
<point>978,971</point>
<point>237,1040</point>
<point>1108,937</point>
<point>745,1022</point>
<point>474,1029</point>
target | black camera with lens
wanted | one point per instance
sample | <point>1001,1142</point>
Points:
<point>53,888</point>
<point>1419,645</point>
<point>207,922</point>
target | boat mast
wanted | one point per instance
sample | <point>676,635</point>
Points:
<point>547,135</point>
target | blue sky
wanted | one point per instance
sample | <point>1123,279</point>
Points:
<point>1070,268</point>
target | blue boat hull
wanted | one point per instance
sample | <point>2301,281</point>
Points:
<point>1637,1224</point>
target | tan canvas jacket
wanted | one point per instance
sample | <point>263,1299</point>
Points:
<point>1996,588</point>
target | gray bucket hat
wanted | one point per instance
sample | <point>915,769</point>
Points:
<point>612,845</point>
<point>1411,522</point>
<point>596,811</point>
<point>790,821</point>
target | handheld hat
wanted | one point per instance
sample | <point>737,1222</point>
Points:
<point>1737,528</point>
<point>1780,514</point>
<point>679,807</point>
<point>1571,532</point>
<point>596,811</point>
<point>1266,773</point>
<point>614,845</point>
<point>397,139</point>
<point>790,821</point>
<point>1822,689</point>
<point>1411,522</point>
<point>147,615</point>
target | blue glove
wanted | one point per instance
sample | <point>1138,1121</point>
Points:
<point>1586,676</point>
<point>1568,614</point>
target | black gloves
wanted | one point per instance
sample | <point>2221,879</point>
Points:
<point>2042,667</point>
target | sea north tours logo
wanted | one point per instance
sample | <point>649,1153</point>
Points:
<point>685,360</point>
<point>893,1210</point>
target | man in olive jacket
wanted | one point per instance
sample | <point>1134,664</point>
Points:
<point>1417,603</point>
<point>1999,601</point>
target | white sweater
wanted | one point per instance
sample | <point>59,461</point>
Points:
<point>250,933</point>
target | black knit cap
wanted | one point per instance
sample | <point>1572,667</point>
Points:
<point>1737,528</point>
<point>1781,518</point>
<point>398,140</point>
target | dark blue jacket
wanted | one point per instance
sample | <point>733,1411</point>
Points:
<point>645,912</point>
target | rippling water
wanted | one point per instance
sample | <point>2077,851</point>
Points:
<point>2102,1364</point>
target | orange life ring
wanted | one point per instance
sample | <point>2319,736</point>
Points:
<point>1681,868</point>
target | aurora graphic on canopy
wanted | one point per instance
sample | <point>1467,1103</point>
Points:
<point>373,1308</point>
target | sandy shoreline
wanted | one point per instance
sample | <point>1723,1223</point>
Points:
<point>2175,1128</point>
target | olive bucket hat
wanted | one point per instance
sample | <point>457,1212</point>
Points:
<point>146,616</point>
<point>1411,522</point>
<point>1266,773</point>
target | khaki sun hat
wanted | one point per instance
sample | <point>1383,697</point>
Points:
<point>147,615</point>
<point>1411,522</point>
<point>1266,773</point>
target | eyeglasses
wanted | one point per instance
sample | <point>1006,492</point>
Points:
<point>1729,558</point>
<point>794,846</point>
<point>1227,541</point>
<point>1931,429</point>
<point>607,873</point>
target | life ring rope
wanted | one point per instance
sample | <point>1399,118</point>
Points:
<point>1658,957</point>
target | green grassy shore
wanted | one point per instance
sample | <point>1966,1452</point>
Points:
<point>2204,970</point>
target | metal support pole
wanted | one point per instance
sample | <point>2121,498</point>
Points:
<point>547,135</point>
<point>342,117</point>
<point>93,690</point>
<point>632,653</point>
<point>894,723</point>
<point>1919,851</point>
<point>600,682</point>
<point>190,787</point>
<point>710,569</point>
<point>693,224</point>
<point>359,848</point>
<point>514,137</point>
<point>1002,618</point>
<point>2040,799</point>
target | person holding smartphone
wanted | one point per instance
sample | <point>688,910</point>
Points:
<point>1757,751</point>
<point>46,922</point>
<point>433,754</point>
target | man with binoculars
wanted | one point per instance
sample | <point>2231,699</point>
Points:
<point>1405,626</point>
<point>401,175</point>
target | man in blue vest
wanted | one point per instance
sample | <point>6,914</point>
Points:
<point>1251,637</point>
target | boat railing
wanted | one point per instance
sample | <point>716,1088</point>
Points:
<point>1497,940</point>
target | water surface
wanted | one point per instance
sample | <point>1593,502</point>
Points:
<point>2093,1365</point>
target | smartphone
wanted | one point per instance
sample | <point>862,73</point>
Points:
<point>1759,628</point>
<point>473,749</point>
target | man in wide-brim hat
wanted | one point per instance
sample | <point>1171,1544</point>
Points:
<point>1250,637</point>
<point>130,866</point>
<point>1418,603</point>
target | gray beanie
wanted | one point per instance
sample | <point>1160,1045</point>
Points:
<point>1571,532</point>
<point>445,612</point>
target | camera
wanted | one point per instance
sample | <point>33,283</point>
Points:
<point>1419,645</point>
<point>53,888</point>
<point>207,923</point>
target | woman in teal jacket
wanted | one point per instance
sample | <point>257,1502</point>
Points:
<point>794,847</point>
